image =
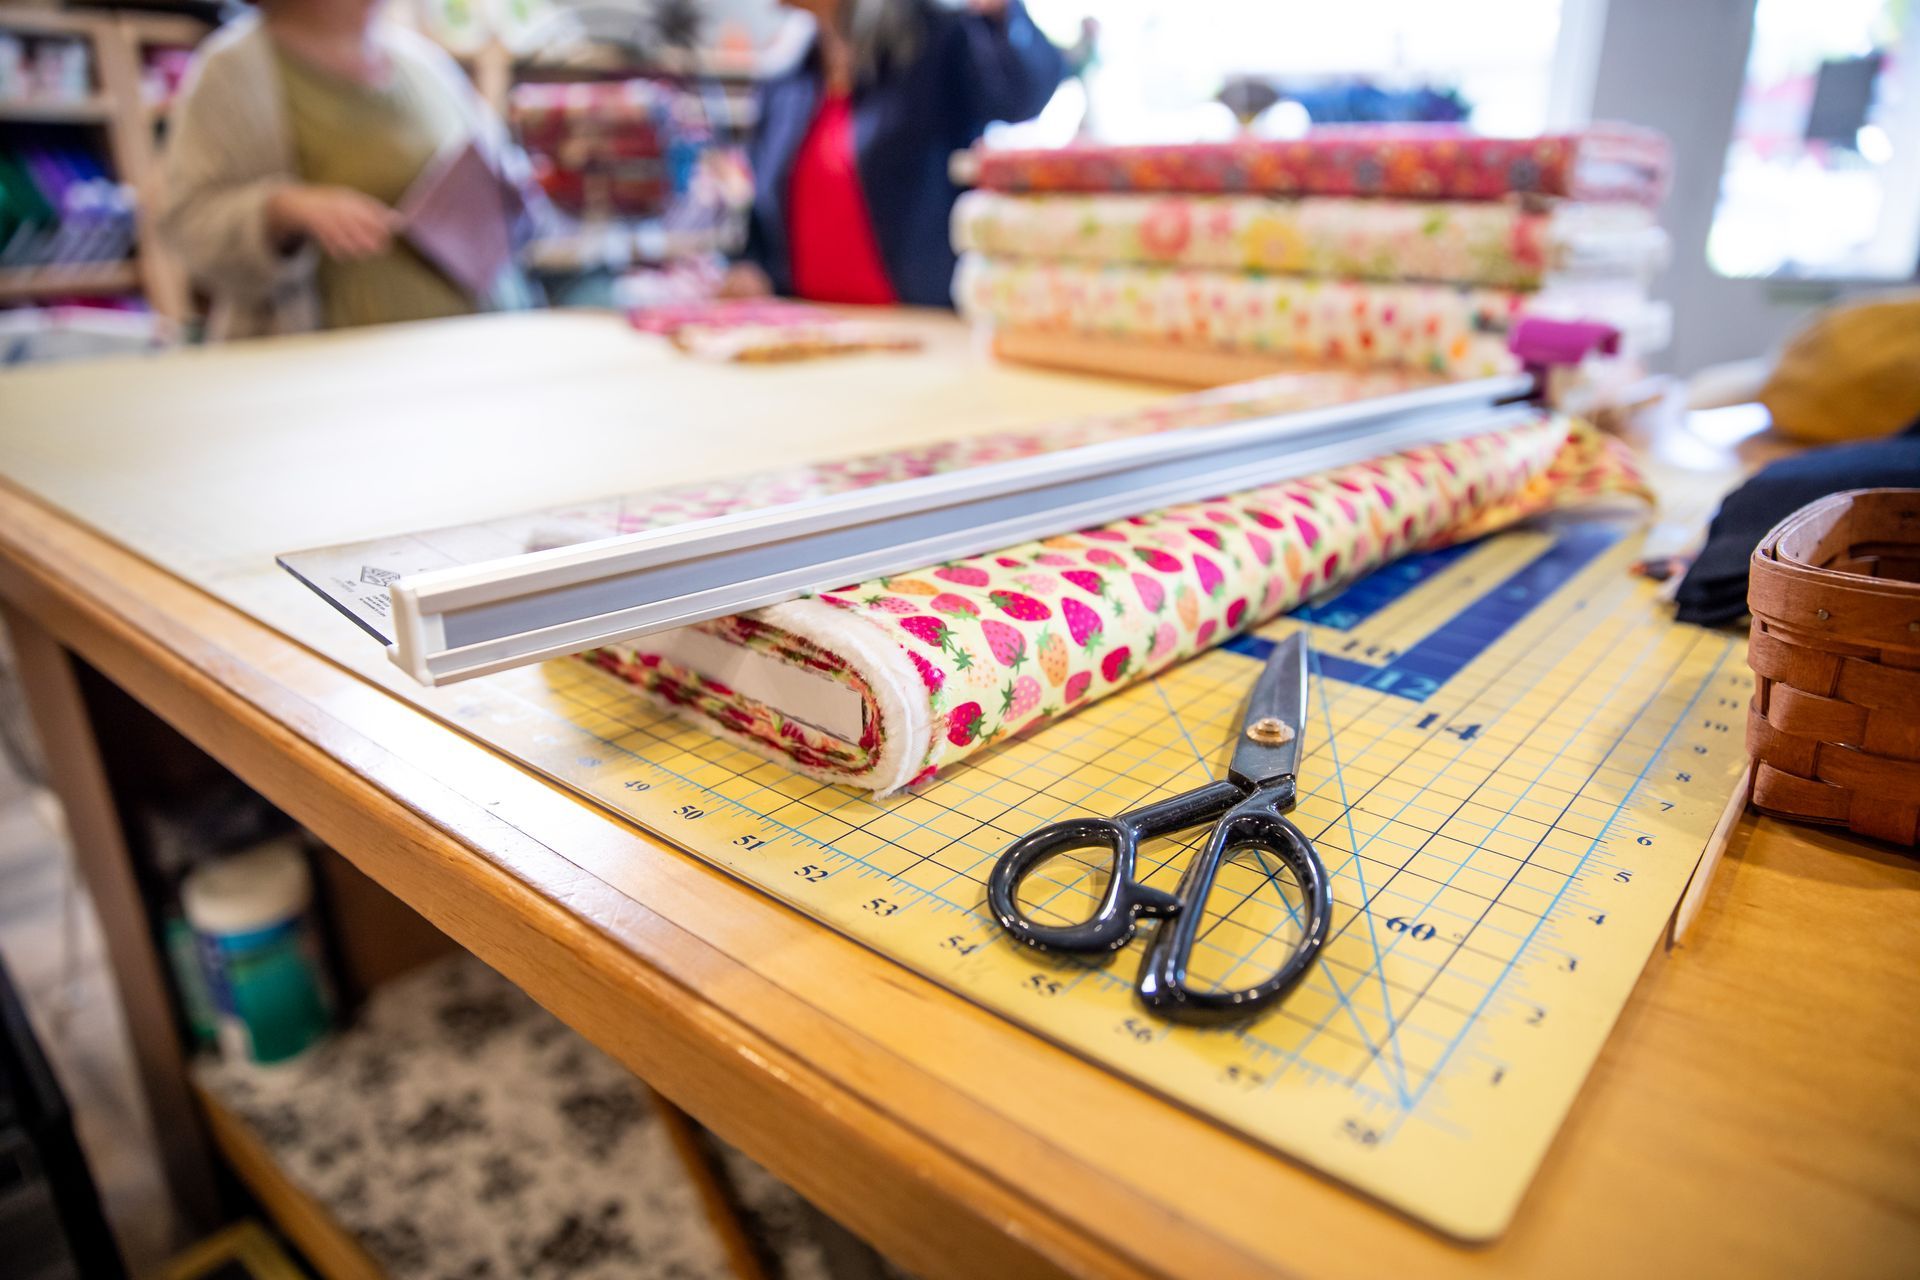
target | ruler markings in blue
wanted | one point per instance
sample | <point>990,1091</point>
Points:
<point>1419,670</point>
<point>1371,594</point>
<point>1508,977</point>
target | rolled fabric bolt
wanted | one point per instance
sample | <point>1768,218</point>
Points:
<point>883,683</point>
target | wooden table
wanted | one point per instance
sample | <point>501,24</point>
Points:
<point>1756,1111</point>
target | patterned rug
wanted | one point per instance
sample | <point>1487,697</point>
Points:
<point>461,1132</point>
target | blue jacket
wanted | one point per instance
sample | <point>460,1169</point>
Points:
<point>970,69</point>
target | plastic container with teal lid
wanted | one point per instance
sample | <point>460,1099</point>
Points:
<point>251,915</point>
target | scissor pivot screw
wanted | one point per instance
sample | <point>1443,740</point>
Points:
<point>1270,731</point>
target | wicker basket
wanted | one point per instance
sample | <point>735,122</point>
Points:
<point>1834,728</point>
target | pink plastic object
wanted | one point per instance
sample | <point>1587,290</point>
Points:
<point>1540,342</point>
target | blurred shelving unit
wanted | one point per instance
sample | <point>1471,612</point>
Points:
<point>70,279</point>
<point>92,110</point>
<point>721,81</point>
<point>119,112</point>
<point>496,68</point>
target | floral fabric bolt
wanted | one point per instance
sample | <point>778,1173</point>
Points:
<point>1444,329</point>
<point>1505,244</point>
<point>1451,330</point>
<point>1606,162</point>
<point>949,660</point>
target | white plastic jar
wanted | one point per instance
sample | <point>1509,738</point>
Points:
<point>250,913</point>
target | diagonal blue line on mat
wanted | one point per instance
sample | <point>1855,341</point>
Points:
<point>1342,994</point>
<point>1178,723</point>
<point>1293,911</point>
<point>1627,672</point>
<point>1359,870</point>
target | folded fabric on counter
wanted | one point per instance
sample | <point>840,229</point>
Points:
<point>878,685</point>
<point>1608,162</point>
<point>668,318</point>
<point>767,330</point>
<point>1506,244</point>
<point>1447,329</point>
<point>780,343</point>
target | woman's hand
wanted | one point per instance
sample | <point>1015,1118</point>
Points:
<point>744,280</point>
<point>346,224</point>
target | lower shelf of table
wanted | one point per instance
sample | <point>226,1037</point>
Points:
<point>458,1128</point>
<point>328,1247</point>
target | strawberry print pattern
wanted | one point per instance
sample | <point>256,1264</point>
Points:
<point>1606,162</point>
<point>1205,571</point>
<point>1195,575</point>
<point>1501,244</point>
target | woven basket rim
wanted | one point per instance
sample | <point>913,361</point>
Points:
<point>1769,556</point>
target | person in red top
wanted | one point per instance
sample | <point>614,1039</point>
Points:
<point>830,245</point>
<point>852,197</point>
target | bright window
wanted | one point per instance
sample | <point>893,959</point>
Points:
<point>1160,65</point>
<point>1822,179</point>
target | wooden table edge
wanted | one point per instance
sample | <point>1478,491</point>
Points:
<point>568,966</point>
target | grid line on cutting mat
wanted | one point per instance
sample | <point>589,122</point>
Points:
<point>1495,807</point>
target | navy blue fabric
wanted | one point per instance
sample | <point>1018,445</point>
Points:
<point>1714,591</point>
<point>970,69</point>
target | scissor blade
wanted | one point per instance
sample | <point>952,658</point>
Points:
<point>1268,745</point>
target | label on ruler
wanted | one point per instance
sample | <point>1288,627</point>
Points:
<point>1514,764</point>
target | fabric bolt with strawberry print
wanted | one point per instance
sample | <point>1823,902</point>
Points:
<point>956,657</point>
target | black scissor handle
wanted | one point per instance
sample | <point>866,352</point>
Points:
<point>1257,822</point>
<point>1126,899</point>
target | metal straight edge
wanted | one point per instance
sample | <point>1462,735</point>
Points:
<point>452,624</point>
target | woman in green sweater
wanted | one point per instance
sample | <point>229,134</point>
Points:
<point>298,131</point>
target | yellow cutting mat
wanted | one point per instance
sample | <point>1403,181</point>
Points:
<point>1514,764</point>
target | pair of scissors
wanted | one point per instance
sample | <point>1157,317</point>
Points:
<point>1247,809</point>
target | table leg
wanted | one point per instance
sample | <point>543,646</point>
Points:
<point>710,1183</point>
<point>103,853</point>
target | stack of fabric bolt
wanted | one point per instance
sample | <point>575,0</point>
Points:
<point>1410,247</point>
